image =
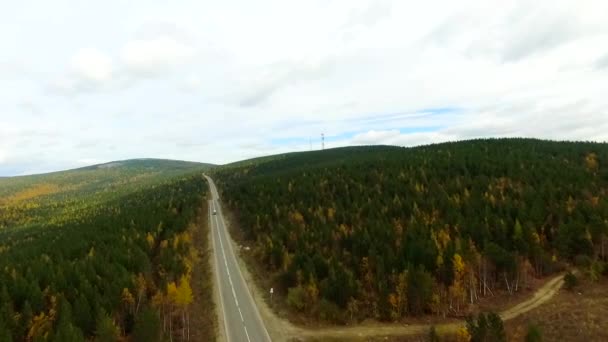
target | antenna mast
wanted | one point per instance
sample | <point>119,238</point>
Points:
<point>322,141</point>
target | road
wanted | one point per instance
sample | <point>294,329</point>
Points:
<point>240,315</point>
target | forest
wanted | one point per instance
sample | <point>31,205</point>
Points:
<point>386,233</point>
<point>101,253</point>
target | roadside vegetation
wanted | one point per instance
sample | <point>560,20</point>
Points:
<point>103,253</point>
<point>389,233</point>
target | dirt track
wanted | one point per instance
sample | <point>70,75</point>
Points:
<point>286,331</point>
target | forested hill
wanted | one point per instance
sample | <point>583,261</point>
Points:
<point>387,232</point>
<point>102,253</point>
<point>62,195</point>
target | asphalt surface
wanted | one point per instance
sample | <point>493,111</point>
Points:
<point>241,318</point>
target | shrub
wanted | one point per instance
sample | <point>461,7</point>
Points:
<point>570,281</point>
<point>433,336</point>
<point>296,298</point>
<point>534,334</point>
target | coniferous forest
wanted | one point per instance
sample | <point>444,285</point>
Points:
<point>99,253</point>
<point>387,232</point>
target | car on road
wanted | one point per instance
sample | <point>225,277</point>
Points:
<point>214,212</point>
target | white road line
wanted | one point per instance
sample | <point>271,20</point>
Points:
<point>257,312</point>
<point>246,333</point>
<point>218,213</point>
<point>236,301</point>
<point>217,275</point>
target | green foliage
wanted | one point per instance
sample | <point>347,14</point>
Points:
<point>570,281</point>
<point>296,298</point>
<point>147,327</point>
<point>419,290</point>
<point>486,328</point>
<point>433,336</point>
<point>55,198</point>
<point>5,334</point>
<point>106,330</point>
<point>534,334</point>
<point>596,269</point>
<point>87,239</point>
<point>353,218</point>
<point>66,331</point>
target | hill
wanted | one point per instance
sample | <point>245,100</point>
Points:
<point>103,251</point>
<point>53,197</point>
<point>386,232</point>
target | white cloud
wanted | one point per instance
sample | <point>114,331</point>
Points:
<point>151,56</point>
<point>374,137</point>
<point>92,65</point>
<point>220,81</point>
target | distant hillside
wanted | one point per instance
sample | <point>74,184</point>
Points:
<point>386,232</point>
<point>102,251</point>
<point>53,196</point>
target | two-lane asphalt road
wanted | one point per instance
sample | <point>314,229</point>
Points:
<point>241,318</point>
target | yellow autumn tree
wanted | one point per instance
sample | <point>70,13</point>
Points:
<point>127,299</point>
<point>183,298</point>
<point>457,291</point>
<point>463,335</point>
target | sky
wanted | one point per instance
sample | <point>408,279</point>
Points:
<point>86,82</point>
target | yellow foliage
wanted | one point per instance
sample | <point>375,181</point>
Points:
<point>41,326</point>
<point>331,212</point>
<point>172,292</point>
<point>29,193</point>
<point>591,161</point>
<point>458,265</point>
<point>462,335</point>
<point>535,237</point>
<point>313,291</point>
<point>158,300</point>
<point>443,238</point>
<point>183,295</point>
<point>570,205</point>
<point>150,239</point>
<point>297,217</point>
<point>127,297</point>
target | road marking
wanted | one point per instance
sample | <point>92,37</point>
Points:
<point>236,301</point>
<point>255,308</point>
<point>246,333</point>
<point>217,276</point>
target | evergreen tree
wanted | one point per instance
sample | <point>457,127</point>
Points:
<point>147,327</point>
<point>106,330</point>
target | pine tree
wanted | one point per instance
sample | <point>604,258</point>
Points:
<point>147,327</point>
<point>106,330</point>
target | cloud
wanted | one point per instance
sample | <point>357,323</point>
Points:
<point>515,31</point>
<point>578,120</point>
<point>271,79</point>
<point>374,137</point>
<point>89,70</point>
<point>92,65</point>
<point>221,81</point>
<point>602,62</point>
<point>540,30</point>
<point>155,55</point>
